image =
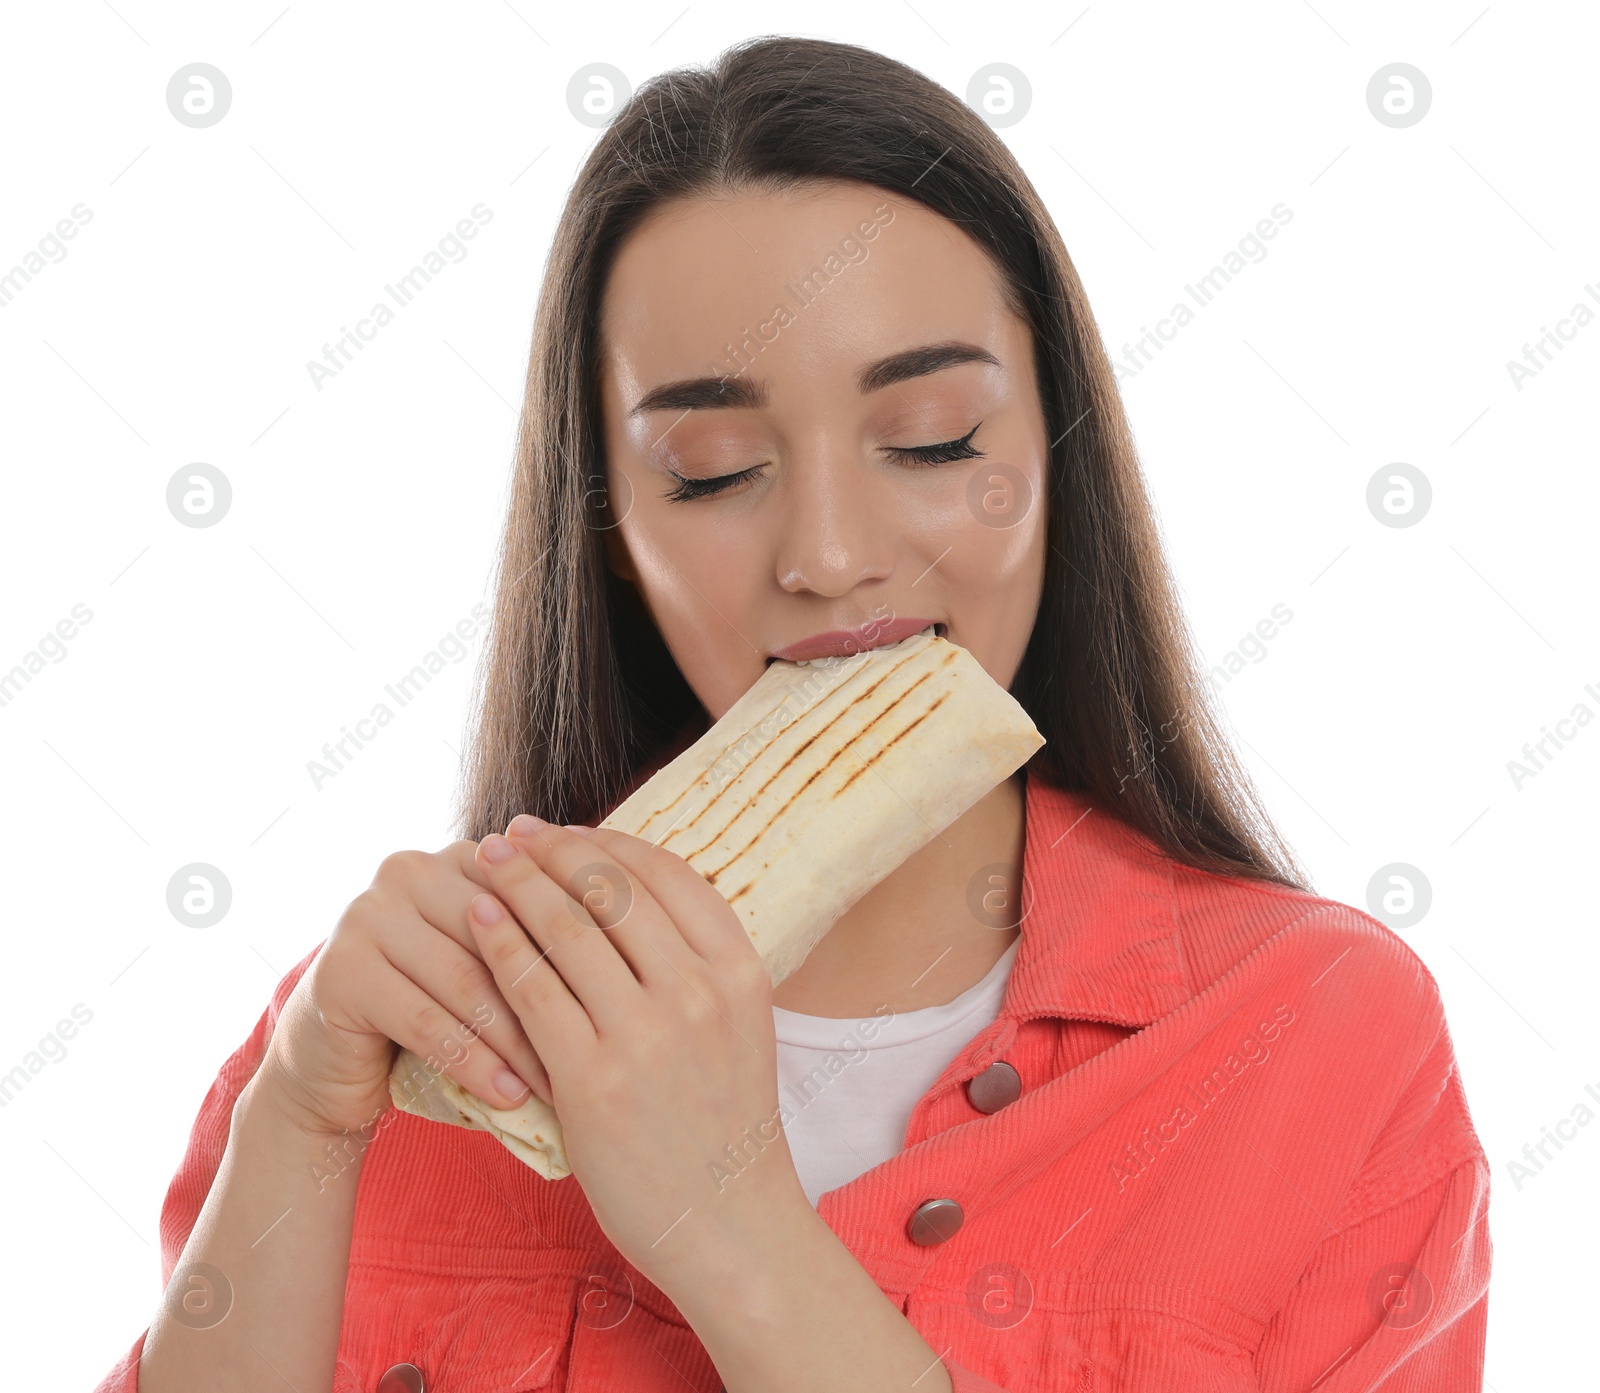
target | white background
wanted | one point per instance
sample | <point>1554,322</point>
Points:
<point>218,661</point>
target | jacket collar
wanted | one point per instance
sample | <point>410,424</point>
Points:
<point>1099,931</point>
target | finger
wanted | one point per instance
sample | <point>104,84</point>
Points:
<point>411,1017</point>
<point>619,899</point>
<point>442,899</point>
<point>438,892</point>
<point>556,1021</point>
<point>438,886</point>
<point>464,986</point>
<point>705,920</point>
<point>558,925</point>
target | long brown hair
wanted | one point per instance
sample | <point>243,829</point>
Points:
<point>579,691</point>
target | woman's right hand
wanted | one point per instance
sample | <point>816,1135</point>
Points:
<point>400,966</point>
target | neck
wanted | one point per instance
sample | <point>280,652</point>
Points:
<point>914,940</point>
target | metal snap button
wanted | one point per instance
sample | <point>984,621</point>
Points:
<point>934,1222</point>
<point>996,1086</point>
<point>402,1378</point>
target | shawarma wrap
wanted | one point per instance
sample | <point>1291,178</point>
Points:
<point>817,783</point>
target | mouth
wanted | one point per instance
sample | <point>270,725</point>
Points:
<point>845,643</point>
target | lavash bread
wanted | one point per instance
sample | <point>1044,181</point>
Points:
<point>815,785</point>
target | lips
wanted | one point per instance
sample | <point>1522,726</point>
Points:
<point>841,643</point>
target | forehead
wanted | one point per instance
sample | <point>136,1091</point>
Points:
<point>790,288</point>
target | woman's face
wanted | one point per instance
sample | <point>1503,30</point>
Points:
<point>785,339</point>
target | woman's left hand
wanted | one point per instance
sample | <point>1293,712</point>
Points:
<point>652,1012</point>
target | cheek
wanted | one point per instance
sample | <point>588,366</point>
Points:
<point>1011,554</point>
<point>701,584</point>
<point>1006,496</point>
<point>691,563</point>
<point>993,570</point>
<point>993,521</point>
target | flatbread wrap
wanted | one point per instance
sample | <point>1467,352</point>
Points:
<point>817,783</point>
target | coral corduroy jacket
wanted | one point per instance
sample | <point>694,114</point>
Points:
<point>1241,1159</point>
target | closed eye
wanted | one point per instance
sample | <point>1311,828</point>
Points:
<point>945,452</point>
<point>686,489</point>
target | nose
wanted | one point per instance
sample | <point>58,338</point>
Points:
<point>837,529</point>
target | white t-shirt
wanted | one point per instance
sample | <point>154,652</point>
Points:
<point>846,1087</point>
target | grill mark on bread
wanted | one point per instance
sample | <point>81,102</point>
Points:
<point>839,715</point>
<point>817,774</point>
<point>833,721</point>
<point>750,884</point>
<point>944,697</point>
<point>695,783</point>
<point>832,762</point>
<point>683,793</point>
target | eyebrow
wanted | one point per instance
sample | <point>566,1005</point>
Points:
<point>712,393</point>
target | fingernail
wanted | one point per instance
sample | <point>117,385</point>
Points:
<point>496,848</point>
<point>486,910</point>
<point>525,825</point>
<point>579,829</point>
<point>509,1085</point>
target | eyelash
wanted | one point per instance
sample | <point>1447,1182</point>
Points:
<point>925,456</point>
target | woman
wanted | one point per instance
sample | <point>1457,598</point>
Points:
<point>811,371</point>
